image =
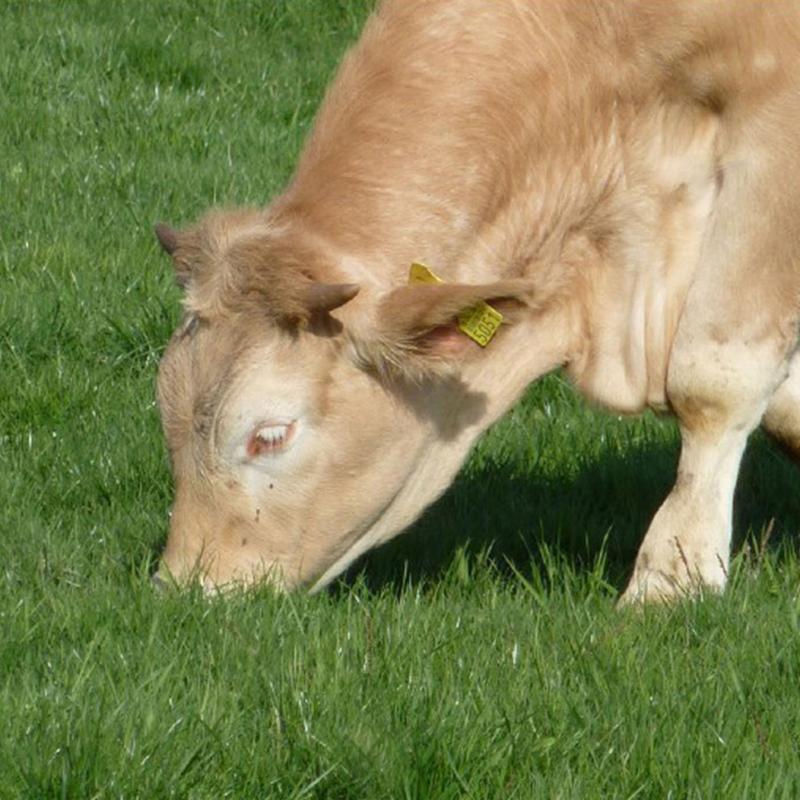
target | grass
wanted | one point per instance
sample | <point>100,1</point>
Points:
<point>478,656</point>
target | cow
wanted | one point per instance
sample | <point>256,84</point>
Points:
<point>612,189</point>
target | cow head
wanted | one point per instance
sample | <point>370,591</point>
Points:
<point>299,413</point>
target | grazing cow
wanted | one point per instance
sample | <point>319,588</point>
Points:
<point>619,181</point>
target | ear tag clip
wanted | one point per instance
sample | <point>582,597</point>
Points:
<point>480,322</point>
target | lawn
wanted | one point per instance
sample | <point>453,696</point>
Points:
<point>478,656</point>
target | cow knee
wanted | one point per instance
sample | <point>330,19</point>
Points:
<point>722,386</point>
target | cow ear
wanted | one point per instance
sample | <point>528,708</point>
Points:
<point>417,327</point>
<point>171,241</point>
<point>167,237</point>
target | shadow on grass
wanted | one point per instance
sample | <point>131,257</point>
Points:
<point>601,512</point>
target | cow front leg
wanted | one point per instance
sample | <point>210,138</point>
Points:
<point>687,545</point>
<point>729,355</point>
<point>719,392</point>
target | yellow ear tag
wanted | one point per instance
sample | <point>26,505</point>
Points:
<point>480,322</point>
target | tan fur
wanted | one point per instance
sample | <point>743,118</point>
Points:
<point>622,175</point>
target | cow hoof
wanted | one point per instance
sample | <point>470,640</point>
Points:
<point>659,588</point>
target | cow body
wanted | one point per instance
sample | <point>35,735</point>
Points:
<point>620,180</point>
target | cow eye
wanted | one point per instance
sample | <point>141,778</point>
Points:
<point>270,439</point>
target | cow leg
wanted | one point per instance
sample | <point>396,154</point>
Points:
<point>688,543</point>
<point>782,420</point>
<point>729,356</point>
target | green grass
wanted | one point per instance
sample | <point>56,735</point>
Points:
<point>478,656</point>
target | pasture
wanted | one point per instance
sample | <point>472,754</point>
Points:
<point>479,656</point>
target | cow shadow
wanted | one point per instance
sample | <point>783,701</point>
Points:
<point>592,520</point>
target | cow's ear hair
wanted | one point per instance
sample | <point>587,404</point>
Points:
<point>416,330</point>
